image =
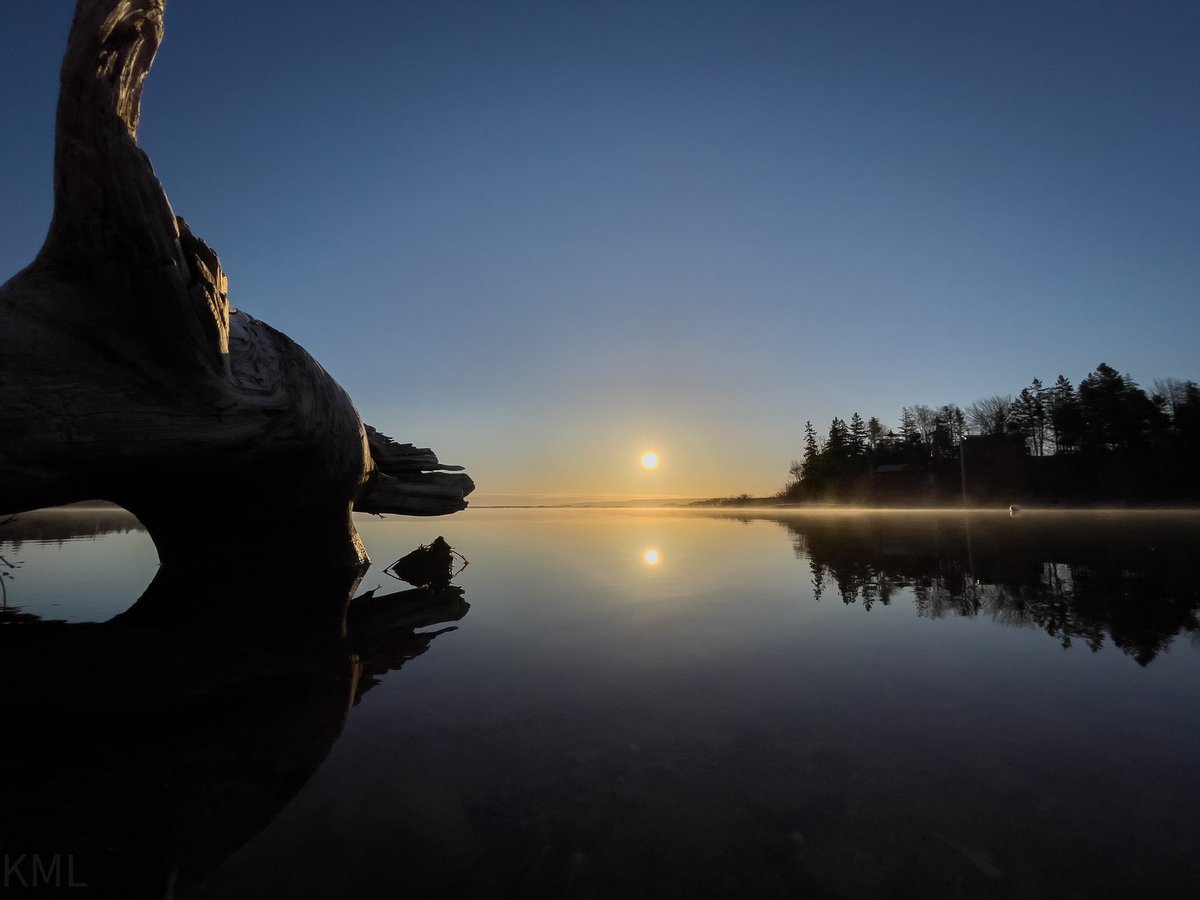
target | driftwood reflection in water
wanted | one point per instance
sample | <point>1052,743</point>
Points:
<point>1086,577</point>
<point>143,751</point>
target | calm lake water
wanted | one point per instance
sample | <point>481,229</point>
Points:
<point>701,703</point>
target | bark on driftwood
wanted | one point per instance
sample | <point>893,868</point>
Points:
<point>126,375</point>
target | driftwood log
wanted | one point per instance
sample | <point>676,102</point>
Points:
<point>126,375</point>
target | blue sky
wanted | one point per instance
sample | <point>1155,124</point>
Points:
<point>543,237</point>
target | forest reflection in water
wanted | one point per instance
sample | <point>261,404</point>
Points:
<point>1082,577</point>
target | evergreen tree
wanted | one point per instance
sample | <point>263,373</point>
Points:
<point>812,452</point>
<point>858,436</point>
<point>1066,418</point>
<point>837,445</point>
<point>811,464</point>
<point>1116,412</point>
<point>908,427</point>
<point>1041,415</point>
<point>1029,417</point>
<point>958,422</point>
<point>1187,413</point>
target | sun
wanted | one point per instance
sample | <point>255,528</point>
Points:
<point>649,460</point>
<point>651,557</point>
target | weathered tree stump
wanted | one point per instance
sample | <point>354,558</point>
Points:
<point>126,375</point>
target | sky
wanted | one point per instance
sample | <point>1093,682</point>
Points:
<point>545,237</point>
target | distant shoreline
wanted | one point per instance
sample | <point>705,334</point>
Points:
<point>770,504</point>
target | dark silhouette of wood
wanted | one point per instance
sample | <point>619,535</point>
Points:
<point>126,375</point>
<point>430,565</point>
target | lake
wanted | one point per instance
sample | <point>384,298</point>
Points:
<point>646,703</point>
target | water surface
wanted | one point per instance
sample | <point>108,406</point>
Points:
<point>679,703</point>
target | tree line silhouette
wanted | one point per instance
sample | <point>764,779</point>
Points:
<point>1107,440</point>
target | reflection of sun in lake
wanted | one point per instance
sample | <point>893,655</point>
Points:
<point>649,459</point>
<point>651,557</point>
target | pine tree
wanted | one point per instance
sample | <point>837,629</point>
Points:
<point>837,445</point>
<point>1116,412</point>
<point>812,452</point>
<point>1041,415</point>
<point>908,427</point>
<point>949,423</point>
<point>858,436</point>
<point>958,421</point>
<point>1066,419</point>
<point>1028,417</point>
